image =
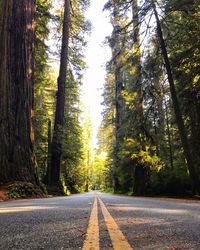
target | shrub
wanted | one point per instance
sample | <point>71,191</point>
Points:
<point>23,190</point>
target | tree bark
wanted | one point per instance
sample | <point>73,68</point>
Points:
<point>169,135</point>
<point>17,33</point>
<point>56,146</point>
<point>177,111</point>
<point>48,171</point>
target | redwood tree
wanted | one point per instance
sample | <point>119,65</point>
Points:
<point>17,31</point>
<point>179,118</point>
<point>56,146</point>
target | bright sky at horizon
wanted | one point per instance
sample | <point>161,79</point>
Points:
<point>96,56</point>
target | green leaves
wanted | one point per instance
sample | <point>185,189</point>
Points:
<point>23,190</point>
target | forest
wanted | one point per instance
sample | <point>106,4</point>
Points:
<point>149,137</point>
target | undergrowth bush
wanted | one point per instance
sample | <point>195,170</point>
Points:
<point>23,190</point>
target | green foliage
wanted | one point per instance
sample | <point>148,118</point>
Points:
<point>139,148</point>
<point>73,158</point>
<point>170,182</point>
<point>107,190</point>
<point>50,14</point>
<point>145,156</point>
<point>23,190</point>
<point>146,147</point>
<point>45,85</point>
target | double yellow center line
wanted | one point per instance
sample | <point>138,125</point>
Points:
<point>92,236</point>
<point>118,239</point>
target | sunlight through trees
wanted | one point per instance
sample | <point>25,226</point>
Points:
<point>149,136</point>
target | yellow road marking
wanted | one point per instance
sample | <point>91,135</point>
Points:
<point>118,239</point>
<point>92,237</point>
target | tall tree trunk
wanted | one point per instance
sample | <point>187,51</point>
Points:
<point>48,171</point>
<point>87,171</point>
<point>56,146</point>
<point>118,117</point>
<point>169,135</point>
<point>17,35</point>
<point>140,172</point>
<point>119,103</point>
<point>177,111</point>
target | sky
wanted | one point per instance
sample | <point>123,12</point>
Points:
<point>96,56</point>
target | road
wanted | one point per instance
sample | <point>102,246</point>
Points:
<point>100,221</point>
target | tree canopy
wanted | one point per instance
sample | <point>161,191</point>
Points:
<point>149,137</point>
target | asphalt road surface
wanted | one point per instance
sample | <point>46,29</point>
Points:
<point>100,221</point>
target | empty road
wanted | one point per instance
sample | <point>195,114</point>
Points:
<point>100,221</point>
